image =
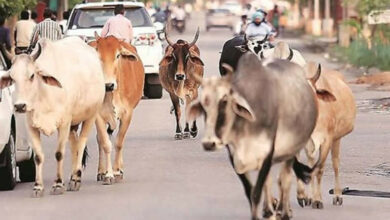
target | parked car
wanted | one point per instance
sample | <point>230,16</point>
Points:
<point>15,150</point>
<point>87,18</point>
<point>220,18</point>
<point>233,6</point>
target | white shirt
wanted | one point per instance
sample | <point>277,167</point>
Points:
<point>180,14</point>
<point>263,29</point>
<point>24,29</point>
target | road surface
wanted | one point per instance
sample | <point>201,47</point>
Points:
<point>167,179</point>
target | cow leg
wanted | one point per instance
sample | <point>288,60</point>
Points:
<point>303,198</point>
<point>284,189</point>
<point>176,106</point>
<point>63,135</point>
<point>194,129</point>
<point>186,134</point>
<point>261,178</point>
<point>39,159</point>
<point>270,202</point>
<point>105,172</point>
<point>243,178</point>
<point>78,150</point>
<point>118,164</point>
<point>317,204</point>
<point>337,200</point>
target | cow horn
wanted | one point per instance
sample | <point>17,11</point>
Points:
<point>166,36</point>
<point>96,36</point>
<point>317,75</point>
<point>195,38</point>
<point>37,54</point>
<point>291,55</point>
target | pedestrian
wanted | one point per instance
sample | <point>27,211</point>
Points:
<point>159,16</point>
<point>47,29</point>
<point>259,27</point>
<point>274,17</point>
<point>4,35</point>
<point>118,26</point>
<point>23,30</point>
<point>34,16</point>
<point>62,23</point>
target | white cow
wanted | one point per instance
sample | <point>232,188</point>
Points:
<point>59,86</point>
<point>283,51</point>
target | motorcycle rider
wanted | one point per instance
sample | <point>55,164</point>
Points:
<point>259,27</point>
<point>179,16</point>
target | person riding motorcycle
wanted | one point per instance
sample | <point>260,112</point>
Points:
<point>259,27</point>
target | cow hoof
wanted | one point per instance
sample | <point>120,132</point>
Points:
<point>118,176</point>
<point>338,200</point>
<point>74,185</point>
<point>178,136</point>
<point>284,217</point>
<point>37,192</point>
<point>275,202</point>
<point>317,205</point>
<point>194,133</point>
<point>186,135</point>
<point>267,213</point>
<point>100,177</point>
<point>304,202</point>
<point>57,189</point>
<point>108,180</point>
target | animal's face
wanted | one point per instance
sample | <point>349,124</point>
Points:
<point>112,52</point>
<point>255,45</point>
<point>29,80</point>
<point>220,105</point>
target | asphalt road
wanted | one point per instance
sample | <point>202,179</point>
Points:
<point>167,179</point>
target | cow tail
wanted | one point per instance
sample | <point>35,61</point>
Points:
<point>85,157</point>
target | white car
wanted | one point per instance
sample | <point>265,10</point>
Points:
<point>233,6</point>
<point>87,18</point>
<point>15,149</point>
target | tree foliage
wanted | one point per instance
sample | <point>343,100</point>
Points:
<point>12,7</point>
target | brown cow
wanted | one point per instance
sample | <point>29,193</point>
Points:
<point>124,75</point>
<point>336,119</point>
<point>178,69</point>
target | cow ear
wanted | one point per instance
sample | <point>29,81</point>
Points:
<point>242,108</point>
<point>93,44</point>
<point>124,52</point>
<point>49,80</point>
<point>195,110</point>
<point>5,81</point>
<point>97,37</point>
<point>325,95</point>
<point>242,48</point>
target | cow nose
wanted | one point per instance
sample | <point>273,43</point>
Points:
<point>209,146</point>
<point>20,108</point>
<point>180,77</point>
<point>110,87</point>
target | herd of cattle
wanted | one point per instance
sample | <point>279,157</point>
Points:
<point>268,105</point>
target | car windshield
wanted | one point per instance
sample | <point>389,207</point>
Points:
<point>97,17</point>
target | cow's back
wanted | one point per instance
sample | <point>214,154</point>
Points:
<point>131,77</point>
<point>337,116</point>
<point>281,98</point>
<point>230,54</point>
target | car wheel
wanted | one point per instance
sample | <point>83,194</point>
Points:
<point>152,88</point>
<point>27,170</point>
<point>8,172</point>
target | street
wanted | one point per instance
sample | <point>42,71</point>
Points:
<point>168,179</point>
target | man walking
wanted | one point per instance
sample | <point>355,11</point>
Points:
<point>23,31</point>
<point>118,26</point>
<point>47,29</point>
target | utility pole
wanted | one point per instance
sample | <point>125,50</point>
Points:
<point>316,23</point>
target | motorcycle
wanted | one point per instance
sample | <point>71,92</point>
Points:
<point>179,25</point>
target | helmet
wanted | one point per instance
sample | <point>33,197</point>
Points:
<point>258,15</point>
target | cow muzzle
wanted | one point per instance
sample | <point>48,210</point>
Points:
<point>180,77</point>
<point>20,108</point>
<point>110,87</point>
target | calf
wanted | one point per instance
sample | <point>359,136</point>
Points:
<point>266,115</point>
<point>124,75</point>
<point>335,120</point>
<point>178,69</point>
<point>59,87</point>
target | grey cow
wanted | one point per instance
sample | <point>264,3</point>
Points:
<point>265,112</point>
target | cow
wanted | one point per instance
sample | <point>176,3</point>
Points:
<point>124,77</point>
<point>266,115</point>
<point>59,86</point>
<point>178,69</point>
<point>335,120</point>
<point>234,48</point>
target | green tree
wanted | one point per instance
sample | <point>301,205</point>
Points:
<point>12,7</point>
